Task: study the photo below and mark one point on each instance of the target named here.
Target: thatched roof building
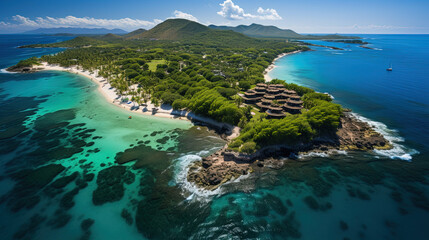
(263, 96)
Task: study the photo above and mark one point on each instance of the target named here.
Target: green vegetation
(202, 74)
(256, 30)
(202, 70)
(154, 63)
(273, 32)
(134, 33)
(28, 62)
(173, 29)
(322, 117)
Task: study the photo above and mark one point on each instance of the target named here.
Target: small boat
(389, 69)
(129, 117)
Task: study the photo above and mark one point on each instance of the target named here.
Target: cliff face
(225, 165)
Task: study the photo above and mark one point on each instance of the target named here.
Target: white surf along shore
(273, 65)
(111, 95)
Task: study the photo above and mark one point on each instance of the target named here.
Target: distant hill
(109, 37)
(261, 31)
(173, 29)
(77, 31)
(256, 30)
(134, 33)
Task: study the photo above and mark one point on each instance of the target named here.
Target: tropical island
(218, 77)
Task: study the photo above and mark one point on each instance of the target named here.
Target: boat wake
(398, 151)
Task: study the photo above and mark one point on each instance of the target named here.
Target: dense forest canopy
(203, 74)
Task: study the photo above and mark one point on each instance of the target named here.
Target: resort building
(274, 99)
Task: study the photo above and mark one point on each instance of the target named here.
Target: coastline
(165, 111)
(273, 64)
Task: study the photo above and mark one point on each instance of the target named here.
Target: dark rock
(312, 202)
(125, 214)
(86, 224)
(66, 201)
(29, 183)
(60, 219)
(110, 183)
(88, 177)
(276, 204)
(63, 181)
(81, 183)
(343, 225)
(206, 163)
(163, 140)
(28, 229)
(291, 227)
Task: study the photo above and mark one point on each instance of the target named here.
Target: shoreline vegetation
(202, 75)
(226, 131)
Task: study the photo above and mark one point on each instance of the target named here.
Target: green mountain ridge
(273, 32)
(134, 33)
(172, 29)
(257, 30)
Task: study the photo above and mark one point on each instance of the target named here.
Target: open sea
(60, 139)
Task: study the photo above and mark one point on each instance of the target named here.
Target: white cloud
(232, 11)
(268, 14)
(71, 21)
(180, 14)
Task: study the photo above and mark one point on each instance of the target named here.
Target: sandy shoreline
(273, 65)
(166, 111)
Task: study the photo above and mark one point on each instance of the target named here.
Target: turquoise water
(50, 118)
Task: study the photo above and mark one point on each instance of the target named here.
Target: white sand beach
(273, 65)
(114, 98)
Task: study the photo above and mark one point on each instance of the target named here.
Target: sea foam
(5, 71)
(190, 190)
(398, 151)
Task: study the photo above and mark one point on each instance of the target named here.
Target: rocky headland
(24, 69)
(225, 165)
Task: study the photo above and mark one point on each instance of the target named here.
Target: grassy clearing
(257, 115)
(152, 64)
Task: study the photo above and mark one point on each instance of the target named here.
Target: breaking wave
(5, 71)
(398, 151)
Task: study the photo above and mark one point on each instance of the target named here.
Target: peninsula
(219, 77)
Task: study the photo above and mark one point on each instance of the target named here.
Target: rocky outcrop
(217, 169)
(26, 69)
(357, 135)
(225, 165)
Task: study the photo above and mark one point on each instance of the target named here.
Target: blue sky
(303, 16)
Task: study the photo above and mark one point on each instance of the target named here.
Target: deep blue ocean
(59, 139)
(358, 79)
